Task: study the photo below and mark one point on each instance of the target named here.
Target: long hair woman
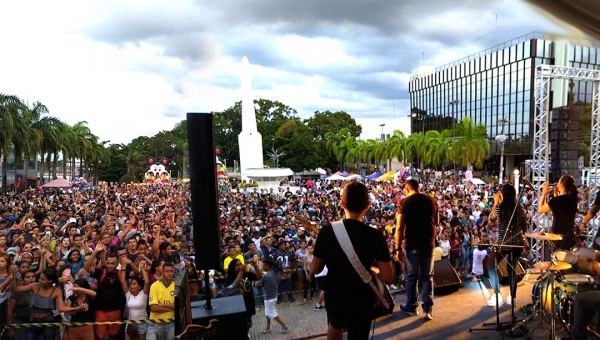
(510, 218)
(82, 296)
(45, 299)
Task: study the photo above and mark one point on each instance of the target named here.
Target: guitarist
(348, 299)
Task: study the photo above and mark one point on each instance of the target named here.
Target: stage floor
(453, 315)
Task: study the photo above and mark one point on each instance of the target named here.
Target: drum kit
(561, 279)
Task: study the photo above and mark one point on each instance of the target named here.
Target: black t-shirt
(343, 285)
(420, 214)
(247, 280)
(81, 316)
(597, 199)
(110, 294)
(564, 209)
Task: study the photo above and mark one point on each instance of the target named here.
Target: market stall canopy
(374, 175)
(388, 176)
(57, 183)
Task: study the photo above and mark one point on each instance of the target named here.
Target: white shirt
(137, 305)
(323, 272)
(478, 256)
(445, 245)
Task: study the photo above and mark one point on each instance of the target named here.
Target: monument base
(268, 178)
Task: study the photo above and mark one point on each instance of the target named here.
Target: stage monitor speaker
(203, 180)
(231, 313)
(445, 277)
(503, 270)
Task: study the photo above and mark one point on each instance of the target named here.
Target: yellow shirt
(228, 260)
(159, 293)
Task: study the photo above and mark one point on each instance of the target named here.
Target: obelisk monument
(250, 141)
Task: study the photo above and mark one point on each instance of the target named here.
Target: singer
(564, 207)
(510, 217)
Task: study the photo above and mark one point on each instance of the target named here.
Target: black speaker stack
(564, 136)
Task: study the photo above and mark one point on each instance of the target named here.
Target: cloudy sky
(132, 68)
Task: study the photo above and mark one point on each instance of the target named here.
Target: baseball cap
(12, 251)
(72, 220)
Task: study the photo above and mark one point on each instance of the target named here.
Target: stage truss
(541, 143)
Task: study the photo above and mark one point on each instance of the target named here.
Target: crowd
(110, 253)
(104, 254)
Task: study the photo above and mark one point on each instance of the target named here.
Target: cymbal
(544, 236)
(548, 265)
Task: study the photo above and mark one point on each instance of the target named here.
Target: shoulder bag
(384, 302)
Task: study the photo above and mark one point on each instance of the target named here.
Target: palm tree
(11, 129)
(98, 155)
(438, 148)
(395, 146)
(335, 144)
(50, 128)
(470, 144)
(415, 146)
(82, 145)
(29, 146)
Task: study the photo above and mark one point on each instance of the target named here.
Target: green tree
(470, 144)
(395, 146)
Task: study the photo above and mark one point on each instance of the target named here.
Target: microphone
(527, 182)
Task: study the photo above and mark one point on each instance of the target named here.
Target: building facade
(495, 87)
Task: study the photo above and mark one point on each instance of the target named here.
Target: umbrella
(57, 183)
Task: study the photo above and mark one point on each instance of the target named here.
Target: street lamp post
(382, 139)
(382, 135)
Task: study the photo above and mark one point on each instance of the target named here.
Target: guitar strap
(342, 236)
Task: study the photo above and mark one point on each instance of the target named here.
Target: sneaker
(266, 331)
(319, 307)
(292, 300)
(285, 329)
(510, 301)
(492, 300)
(408, 311)
(393, 287)
(427, 316)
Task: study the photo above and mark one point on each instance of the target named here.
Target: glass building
(495, 87)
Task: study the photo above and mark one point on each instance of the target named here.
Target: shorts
(112, 330)
(299, 271)
(357, 324)
(142, 328)
(271, 308)
(321, 282)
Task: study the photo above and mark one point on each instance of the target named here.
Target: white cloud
(134, 68)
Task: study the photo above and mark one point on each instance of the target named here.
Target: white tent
(477, 181)
(342, 178)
